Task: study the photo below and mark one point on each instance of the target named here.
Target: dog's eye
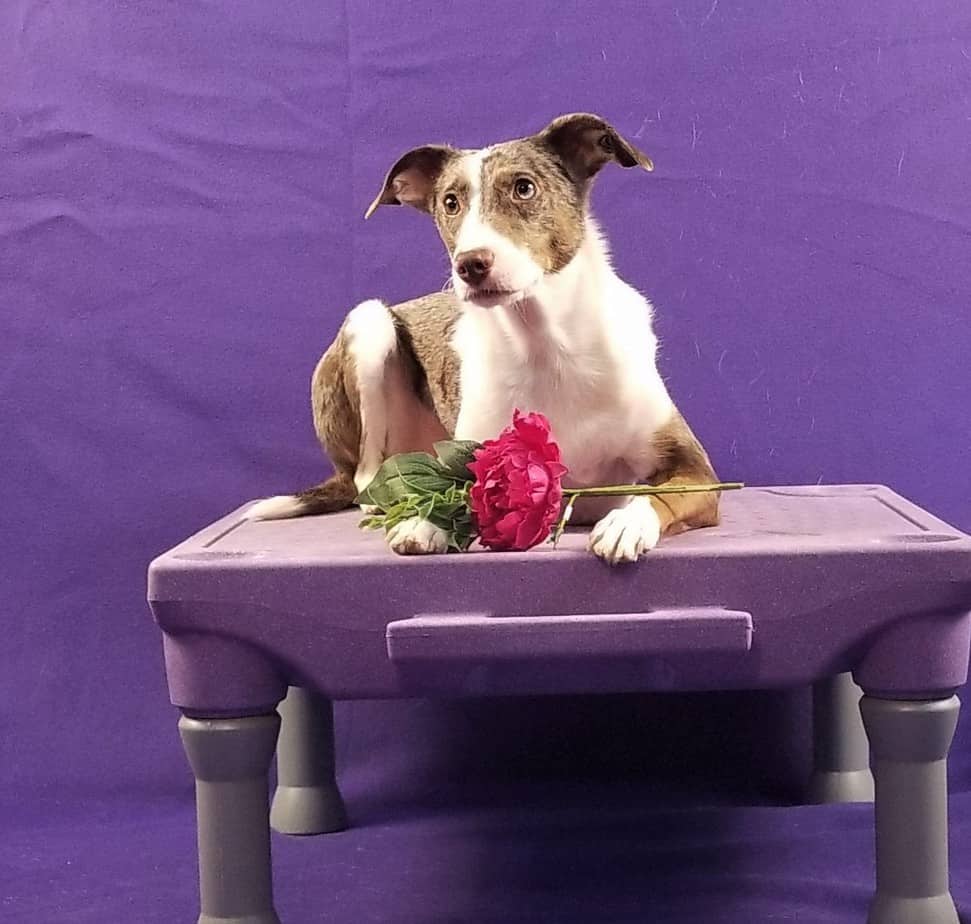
(451, 204)
(524, 188)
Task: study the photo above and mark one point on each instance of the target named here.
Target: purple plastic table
(797, 586)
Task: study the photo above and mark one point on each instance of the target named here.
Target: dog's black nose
(473, 266)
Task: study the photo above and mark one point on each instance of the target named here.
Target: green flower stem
(567, 513)
(634, 490)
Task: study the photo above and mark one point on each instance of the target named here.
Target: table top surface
(771, 521)
(795, 584)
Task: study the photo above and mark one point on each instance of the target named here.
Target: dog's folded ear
(585, 142)
(411, 180)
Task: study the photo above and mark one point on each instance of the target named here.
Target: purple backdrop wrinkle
(181, 197)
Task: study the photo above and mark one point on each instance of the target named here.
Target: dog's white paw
(626, 533)
(417, 537)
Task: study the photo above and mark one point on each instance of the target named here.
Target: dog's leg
(372, 344)
(628, 532)
(417, 537)
(347, 394)
(393, 417)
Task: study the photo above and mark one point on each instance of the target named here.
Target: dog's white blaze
(472, 168)
(514, 268)
(473, 231)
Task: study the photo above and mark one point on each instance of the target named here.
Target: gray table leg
(230, 759)
(307, 800)
(909, 743)
(841, 771)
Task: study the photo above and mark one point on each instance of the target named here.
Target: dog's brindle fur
(561, 162)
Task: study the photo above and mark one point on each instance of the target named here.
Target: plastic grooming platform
(802, 585)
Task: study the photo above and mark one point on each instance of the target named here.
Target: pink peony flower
(517, 492)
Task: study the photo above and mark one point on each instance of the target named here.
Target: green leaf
(455, 455)
(462, 535)
(403, 474)
(413, 488)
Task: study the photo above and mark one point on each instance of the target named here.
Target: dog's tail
(336, 493)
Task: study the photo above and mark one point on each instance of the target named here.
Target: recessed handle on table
(481, 637)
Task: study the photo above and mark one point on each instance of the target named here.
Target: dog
(536, 319)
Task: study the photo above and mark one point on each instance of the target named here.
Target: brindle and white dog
(537, 319)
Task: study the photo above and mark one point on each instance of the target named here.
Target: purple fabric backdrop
(181, 191)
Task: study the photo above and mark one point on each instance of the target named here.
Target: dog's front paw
(626, 533)
(417, 537)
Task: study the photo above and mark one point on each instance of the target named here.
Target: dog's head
(512, 213)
